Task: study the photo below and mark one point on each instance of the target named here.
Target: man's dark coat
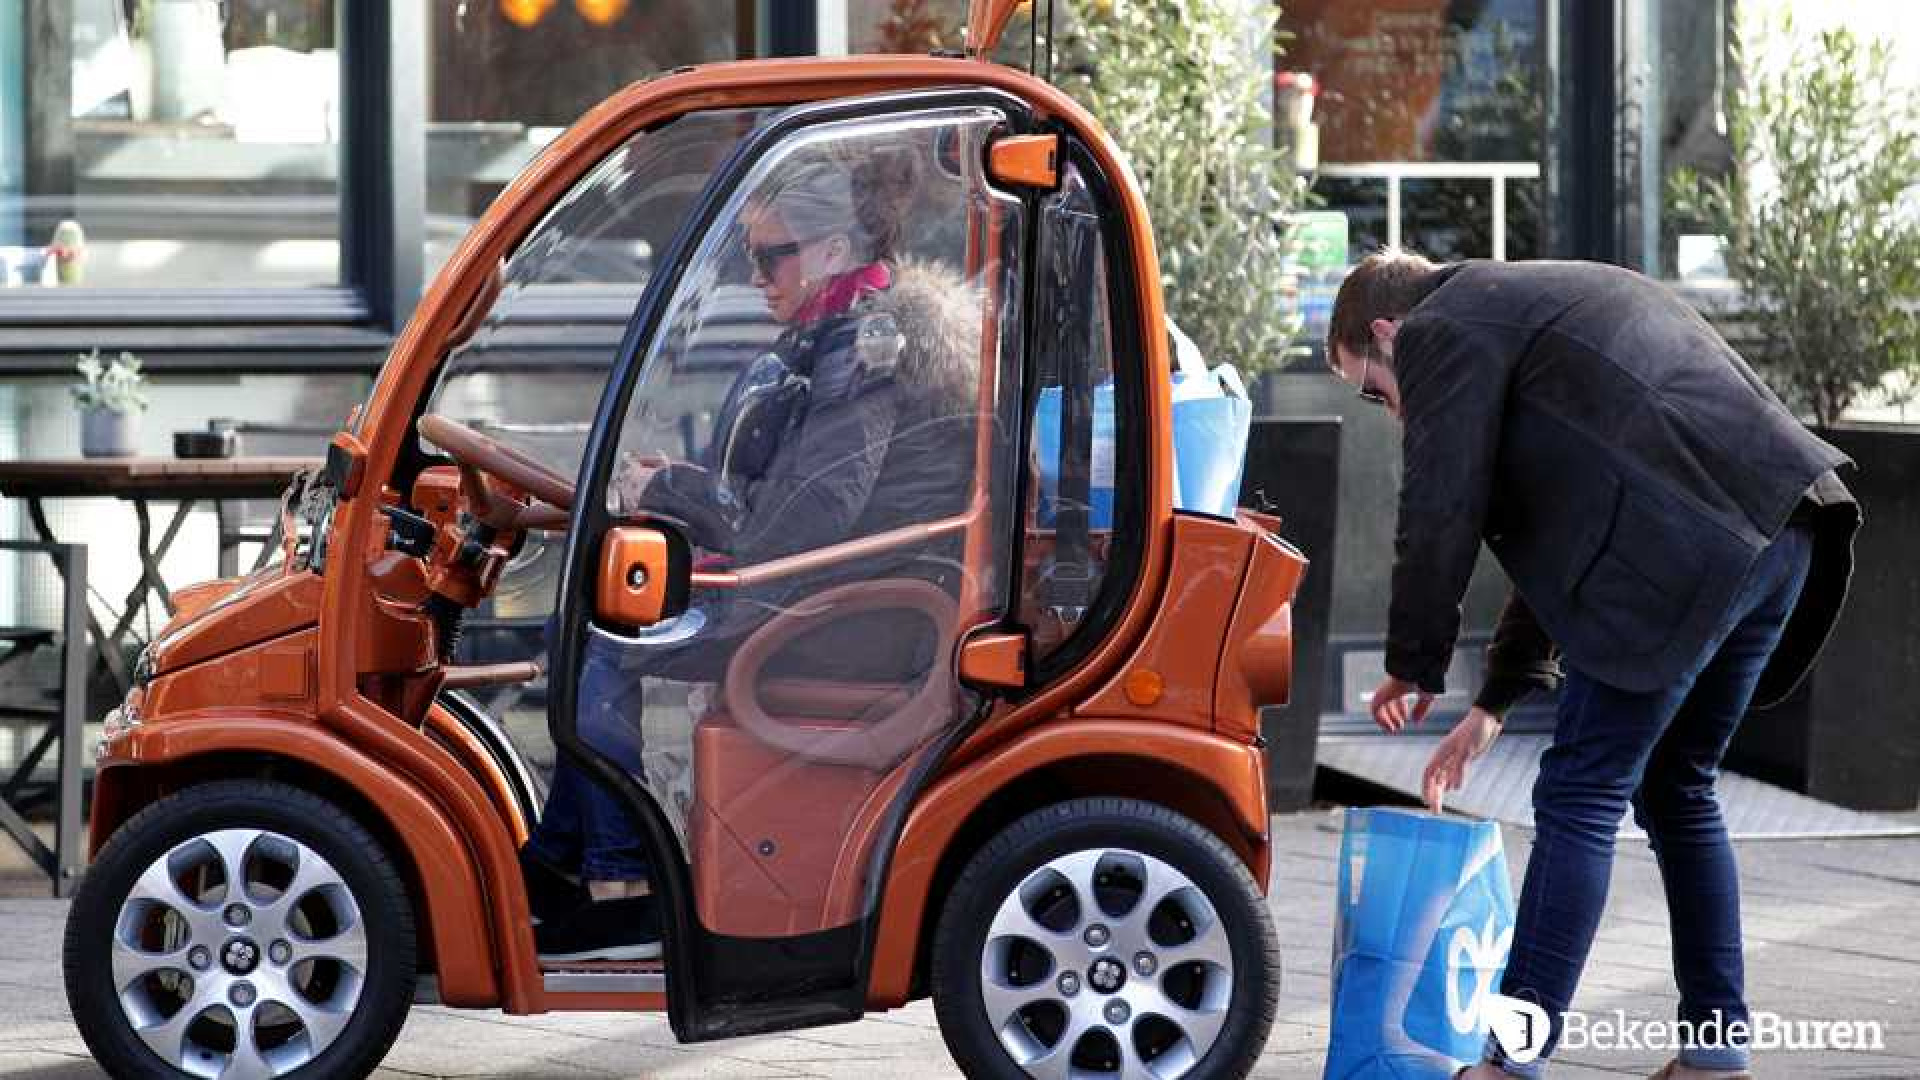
(1621, 460)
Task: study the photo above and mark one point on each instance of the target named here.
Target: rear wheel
(1106, 938)
(236, 930)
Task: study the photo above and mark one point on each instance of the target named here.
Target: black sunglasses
(766, 257)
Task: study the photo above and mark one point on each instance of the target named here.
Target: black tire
(386, 920)
(1106, 824)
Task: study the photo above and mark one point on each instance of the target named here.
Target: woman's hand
(631, 477)
(1447, 769)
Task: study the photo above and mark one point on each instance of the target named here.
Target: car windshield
(532, 372)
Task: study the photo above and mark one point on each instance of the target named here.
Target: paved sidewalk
(1831, 928)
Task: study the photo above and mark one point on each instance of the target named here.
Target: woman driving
(873, 354)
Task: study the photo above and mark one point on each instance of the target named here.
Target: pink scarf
(842, 291)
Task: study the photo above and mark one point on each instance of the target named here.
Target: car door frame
(820, 978)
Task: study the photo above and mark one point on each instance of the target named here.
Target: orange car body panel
(1256, 657)
(786, 853)
(466, 746)
(1182, 647)
(1227, 767)
(265, 608)
(453, 897)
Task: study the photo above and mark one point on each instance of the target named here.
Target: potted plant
(1822, 235)
(111, 395)
(1184, 88)
(1184, 85)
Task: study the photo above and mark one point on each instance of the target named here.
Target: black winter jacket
(1624, 464)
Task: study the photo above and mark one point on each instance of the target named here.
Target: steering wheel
(478, 454)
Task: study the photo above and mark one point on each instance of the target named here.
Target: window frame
(346, 327)
(342, 327)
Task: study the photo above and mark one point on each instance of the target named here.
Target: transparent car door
(536, 359)
(828, 412)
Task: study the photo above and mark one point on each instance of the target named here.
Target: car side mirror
(646, 573)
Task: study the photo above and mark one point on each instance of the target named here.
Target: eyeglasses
(1368, 392)
(766, 257)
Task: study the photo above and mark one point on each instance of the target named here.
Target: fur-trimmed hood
(937, 316)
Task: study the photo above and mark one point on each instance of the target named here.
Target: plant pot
(105, 433)
(1846, 736)
(1293, 470)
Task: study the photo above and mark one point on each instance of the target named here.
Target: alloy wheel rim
(1106, 963)
(239, 954)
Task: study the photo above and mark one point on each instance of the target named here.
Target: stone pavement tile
(1305, 1065)
(442, 1043)
(928, 1066)
(56, 1034)
(797, 1048)
(875, 1034)
(613, 1057)
(40, 1065)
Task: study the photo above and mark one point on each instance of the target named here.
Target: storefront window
(168, 144)
(1427, 115)
(507, 76)
(1688, 91)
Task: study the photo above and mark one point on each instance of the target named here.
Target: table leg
(109, 657)
(150, 556)
(229, 539)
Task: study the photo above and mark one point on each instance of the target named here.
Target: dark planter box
(1293, 471)
(1848, 734)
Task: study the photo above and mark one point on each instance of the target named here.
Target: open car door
(798, 497)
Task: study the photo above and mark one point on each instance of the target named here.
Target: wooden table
(142, 481)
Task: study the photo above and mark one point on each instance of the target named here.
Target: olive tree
(1821, 212)
(1183, 86)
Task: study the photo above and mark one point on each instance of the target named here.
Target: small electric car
(906, 672)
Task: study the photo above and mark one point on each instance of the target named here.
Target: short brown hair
(1384, 285)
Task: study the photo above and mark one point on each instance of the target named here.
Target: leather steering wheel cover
(878, 746)
(497, 459)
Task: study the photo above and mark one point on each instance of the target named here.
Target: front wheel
(236, 930)
(1106, 937)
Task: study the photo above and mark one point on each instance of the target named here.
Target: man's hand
(1389, 704)
(1447, 769)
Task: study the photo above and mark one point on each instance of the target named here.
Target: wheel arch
(1217, 782)
(443, 885)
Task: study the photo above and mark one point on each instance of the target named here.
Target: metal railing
(1394, 173)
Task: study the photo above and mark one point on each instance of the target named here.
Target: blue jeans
(584, 825)
(1659, 752)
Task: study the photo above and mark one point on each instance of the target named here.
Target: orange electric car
(795, 435)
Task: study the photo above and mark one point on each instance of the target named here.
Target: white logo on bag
(1481, 954)
(1520, 1026)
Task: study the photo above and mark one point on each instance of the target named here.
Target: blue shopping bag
(1209, 450)
(1423, 922)
(1046, 439)
(1212, 417)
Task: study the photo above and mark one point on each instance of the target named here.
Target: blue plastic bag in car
(1423, 922)
(1212, 417)
(1046, 439)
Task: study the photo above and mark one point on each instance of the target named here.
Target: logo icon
(1480, 957)
(1521, 1026)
